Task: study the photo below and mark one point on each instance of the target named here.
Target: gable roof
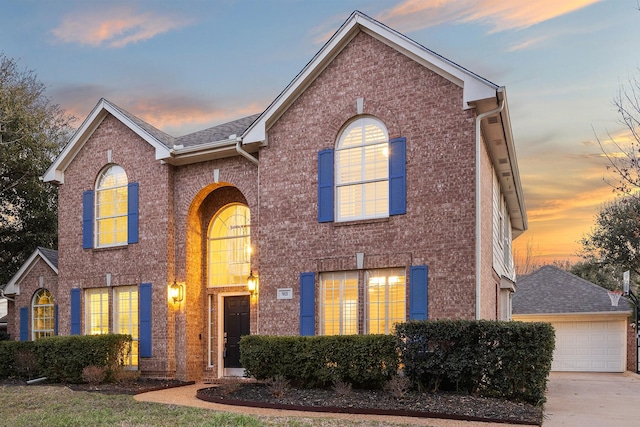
(206, 144)
(474, 87)
(49, 256)
(551, 290)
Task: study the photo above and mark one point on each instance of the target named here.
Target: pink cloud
(115, 27)
(501, 15)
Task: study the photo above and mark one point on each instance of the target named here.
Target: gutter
(2, 295)
(244, 153)
(500, 97)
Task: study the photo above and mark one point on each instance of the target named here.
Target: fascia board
(12, 287)
(55, 173)
(474, 87)
(572, 317)
(258, 130)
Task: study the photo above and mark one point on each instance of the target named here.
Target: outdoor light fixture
(176, 292)
(252, 282)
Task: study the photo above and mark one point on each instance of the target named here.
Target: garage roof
(551, 290)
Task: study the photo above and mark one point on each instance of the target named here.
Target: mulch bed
(414, 404)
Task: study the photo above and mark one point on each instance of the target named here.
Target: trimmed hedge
(364, 361)
(62, 358)
(511, 360)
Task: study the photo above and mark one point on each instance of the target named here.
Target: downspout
(2, 295)
(257, 163)
(244, 153)
(478, 199)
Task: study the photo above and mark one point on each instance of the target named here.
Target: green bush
(503, 359)
(16, 358)
(365, 361)
(62, 358)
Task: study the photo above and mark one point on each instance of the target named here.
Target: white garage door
(590, 346)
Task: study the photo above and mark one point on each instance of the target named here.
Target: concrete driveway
(592, 399)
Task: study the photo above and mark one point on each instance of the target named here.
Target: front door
(236, 324)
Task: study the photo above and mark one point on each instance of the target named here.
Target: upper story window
(229, 246)
(362, 171)
(110, 212)
(43, 315)
(365, 176)
(111, 207)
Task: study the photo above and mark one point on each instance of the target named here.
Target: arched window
(362, 171)
(111, 207)
(229, 246)
(43, 315)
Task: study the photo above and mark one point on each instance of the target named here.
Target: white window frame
(238, 245)
(345, 308)
(389, 322)
(103, 313)
(133, 326)
(37, 333)
(365, 166)
(101, 189)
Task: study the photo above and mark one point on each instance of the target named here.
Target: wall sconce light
(176, 292)
(252, 283)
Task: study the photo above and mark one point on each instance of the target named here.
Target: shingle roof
(161, 136)
(551, 290)
(4, 318)
(50, 254)
(217, 133)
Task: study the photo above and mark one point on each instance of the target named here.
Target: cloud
(412, 15)
(174, 113)
(114, 28)
(527, 44)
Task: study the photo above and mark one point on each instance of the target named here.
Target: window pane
(386, 302)
(96, 311)
(362, 171)
(42, 315)
(229, 247)
(339, 303)
(126, 318)
(111, 207)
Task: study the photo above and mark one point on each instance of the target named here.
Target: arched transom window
(111, 207)
(362, 171)
(229, 246)
(43, 315)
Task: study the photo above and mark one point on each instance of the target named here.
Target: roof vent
(492, 120)
(503, 161)
(506, 174)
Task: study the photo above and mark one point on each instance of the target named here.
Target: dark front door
(236, 324)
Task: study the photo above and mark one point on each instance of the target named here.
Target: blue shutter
(145, 320)
(132, 223)
(55, 319)
(75, 311)
(87, 219)
(325, 186)
(418, 296)
(307, 304)
(397, 176)
(24, 323)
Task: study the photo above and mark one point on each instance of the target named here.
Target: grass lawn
(60, 406)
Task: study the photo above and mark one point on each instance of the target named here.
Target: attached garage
(591, 334)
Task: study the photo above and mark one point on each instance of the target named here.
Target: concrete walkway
(599, 399)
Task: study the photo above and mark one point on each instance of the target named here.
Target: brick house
(381, 185)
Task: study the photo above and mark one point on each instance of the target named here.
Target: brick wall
(439, 227)
(143, 262)
(29, 284)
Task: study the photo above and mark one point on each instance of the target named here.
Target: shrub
(398, 386)
(9, 365)
(365, 361)
(124, 376)
(342, 388)
(94, 375)
(502, 359)
(278, 386)
(4, 336)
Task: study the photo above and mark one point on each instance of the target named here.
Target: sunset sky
(187, 65)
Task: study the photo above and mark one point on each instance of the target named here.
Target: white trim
(220, 320)
(13, 286)
(55, 173)
(474, 86)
